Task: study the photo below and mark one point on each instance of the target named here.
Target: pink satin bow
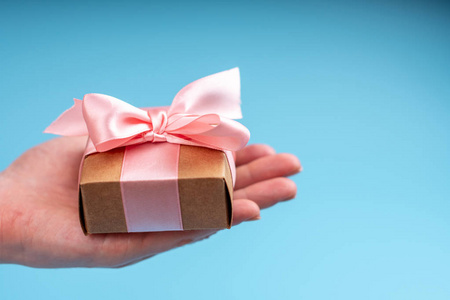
(200, 115)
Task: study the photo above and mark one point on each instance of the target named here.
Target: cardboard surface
(100, 193)
(204, 186)
(204, 198)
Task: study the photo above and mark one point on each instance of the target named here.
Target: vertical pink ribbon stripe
(149, 184)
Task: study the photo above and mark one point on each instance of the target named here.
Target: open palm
(39, 223)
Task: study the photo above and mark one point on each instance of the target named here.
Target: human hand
(39, 223)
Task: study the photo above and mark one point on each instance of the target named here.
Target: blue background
(359, 91)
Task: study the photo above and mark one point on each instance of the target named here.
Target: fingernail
(255, 218)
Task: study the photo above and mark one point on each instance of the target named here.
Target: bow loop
(200, 115)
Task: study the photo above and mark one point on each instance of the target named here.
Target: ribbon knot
(200, 115)
(158, 120)
(152, 137)
(158, 123)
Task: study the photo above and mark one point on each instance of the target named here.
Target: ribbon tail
(228, 135)
(70, 122)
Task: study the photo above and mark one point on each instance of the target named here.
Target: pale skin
(39, 224)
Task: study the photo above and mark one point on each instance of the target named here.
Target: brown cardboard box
(204, 188)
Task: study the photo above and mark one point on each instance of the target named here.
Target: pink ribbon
(200, 115)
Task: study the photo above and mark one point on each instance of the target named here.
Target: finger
(244, 210)
(253, 152)
(162, 241)
(129, 263)
(118, 249)
(267, 167)
(199, 236)
(269, 192)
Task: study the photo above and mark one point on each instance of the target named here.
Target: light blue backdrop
(360, 92)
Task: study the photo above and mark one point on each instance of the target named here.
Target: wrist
(9, 250)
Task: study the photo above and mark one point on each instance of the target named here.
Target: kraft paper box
(200, 189)
(159, 168)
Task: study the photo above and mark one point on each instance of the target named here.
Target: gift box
(156, 187)
(159, 168)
